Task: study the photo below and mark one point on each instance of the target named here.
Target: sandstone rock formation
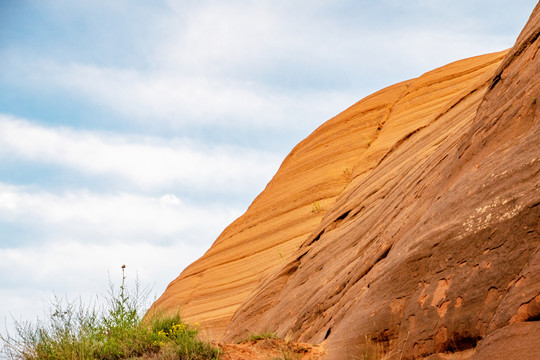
(409, 222)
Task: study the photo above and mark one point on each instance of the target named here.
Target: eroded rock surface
(410, 221)
(269, 349)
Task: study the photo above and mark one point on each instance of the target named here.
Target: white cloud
(143, 161)
(83, 267)
(182, 98)
(161, 96)
(100, 218)
(252, 65)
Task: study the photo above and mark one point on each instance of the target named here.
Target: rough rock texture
(426, 241)
(269, 349)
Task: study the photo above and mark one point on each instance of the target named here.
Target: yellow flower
(177, 328)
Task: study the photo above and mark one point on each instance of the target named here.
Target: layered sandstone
(317, 170)
(411, 221)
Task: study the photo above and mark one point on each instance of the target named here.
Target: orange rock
(269, 349)
(422, 195)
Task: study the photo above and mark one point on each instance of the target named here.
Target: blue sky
(133, 132)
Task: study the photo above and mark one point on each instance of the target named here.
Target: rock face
(409, 224)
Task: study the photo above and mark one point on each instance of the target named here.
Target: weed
(316, 207)
(86, 332)
(261, 336)
(534, 100)
(347, 174)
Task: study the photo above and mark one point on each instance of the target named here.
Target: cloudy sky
(132, 132)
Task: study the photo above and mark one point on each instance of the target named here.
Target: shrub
(76, 331)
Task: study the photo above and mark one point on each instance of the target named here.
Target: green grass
(316, 207)
(74, 331)
(261, 336)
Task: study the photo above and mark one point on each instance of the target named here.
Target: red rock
(426, 242)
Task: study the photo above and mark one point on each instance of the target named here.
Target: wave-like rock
(409, 223)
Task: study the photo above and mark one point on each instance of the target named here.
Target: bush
(78, 332)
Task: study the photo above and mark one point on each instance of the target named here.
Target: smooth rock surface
(411, 221)
(317, 171)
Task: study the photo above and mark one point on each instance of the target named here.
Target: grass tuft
(261, 336)
(316, 207)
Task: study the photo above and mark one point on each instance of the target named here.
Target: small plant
(534, 100)
(261, 336)
(347, 174)
(174, 336)
(316, 207)
(81, 332)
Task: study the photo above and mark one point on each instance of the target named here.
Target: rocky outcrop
(408, 223)
(265, 349)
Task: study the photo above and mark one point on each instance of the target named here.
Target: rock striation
(408, 224)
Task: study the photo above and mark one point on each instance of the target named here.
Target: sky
(133, 132)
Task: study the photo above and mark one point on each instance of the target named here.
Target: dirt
(270, 349)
